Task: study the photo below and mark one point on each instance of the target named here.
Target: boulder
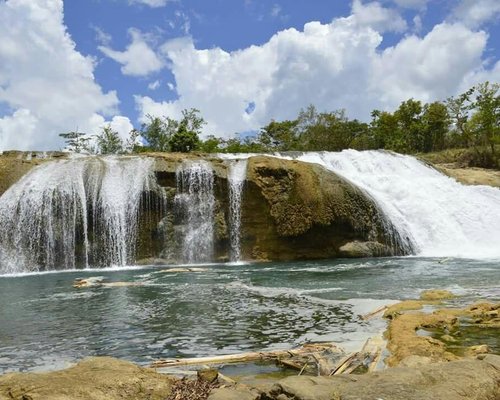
(296, 210)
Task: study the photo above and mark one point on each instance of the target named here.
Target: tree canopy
(469, 120)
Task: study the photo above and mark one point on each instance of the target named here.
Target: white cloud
(122, 125)
(138, 59)
(414, 4)
(154, 85)
(377, 17)
(151, 3)
(475, 13)
(431, 67)
(102, 37)
(48, 84)
(336, 65)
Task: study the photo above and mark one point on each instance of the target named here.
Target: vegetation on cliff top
(468, 121)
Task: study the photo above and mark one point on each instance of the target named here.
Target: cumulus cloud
(377, 17)
(414, 4)
(47, 84)
(335, 65)
(138, 59)
(475, 13)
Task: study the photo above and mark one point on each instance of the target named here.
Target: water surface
(45, 323)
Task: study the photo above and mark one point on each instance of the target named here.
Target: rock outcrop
(96, 378)
(471, 175)
(290, 210)
(296, 210)
(109, 379)
(459, 380)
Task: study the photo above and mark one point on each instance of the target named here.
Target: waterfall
(236, 179)
(196, 202)
(77, 212)
(437, 215)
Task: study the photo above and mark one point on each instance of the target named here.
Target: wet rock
(436, 294)
(404, 340)
(296, 210)
(358, 249)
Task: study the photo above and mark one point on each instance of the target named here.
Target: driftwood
(373, 351)
(320, 358)
(374, 313)
(276, 355)
(344, 363)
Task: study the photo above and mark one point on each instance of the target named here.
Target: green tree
(409, 120)
(109, 142)
(186, 137)
(210, 145)
(183, 140)
(384, 131)
(76, 142)
(329, 131)
(279, 136)
(459, 109)
(132, 144)
(436, 123)
(157, 132)
(485, 123)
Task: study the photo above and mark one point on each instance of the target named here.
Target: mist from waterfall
(76, 212)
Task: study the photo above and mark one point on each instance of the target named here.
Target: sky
(83, 64)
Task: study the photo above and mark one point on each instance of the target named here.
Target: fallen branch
(374, 313)
(344, 363)
(276, 355)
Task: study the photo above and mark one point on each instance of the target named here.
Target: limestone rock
(297, 210)
(458, 380)
(359, 249)
(208, 375)
(97, 378)
(436, 294)
(239, 392)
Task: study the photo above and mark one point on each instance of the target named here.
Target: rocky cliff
(290, 210)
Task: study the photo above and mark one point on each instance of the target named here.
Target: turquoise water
(45, 323)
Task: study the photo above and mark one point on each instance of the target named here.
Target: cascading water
(77, 212)
(438, 215)
(195, 200)
(236, 178)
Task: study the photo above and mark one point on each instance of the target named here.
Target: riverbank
(422, 367)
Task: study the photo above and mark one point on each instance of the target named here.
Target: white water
(73, 212)
(236, 179)
(441, 217)
(195, 197)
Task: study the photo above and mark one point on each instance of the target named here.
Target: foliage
(157, 132)
(470, 120)
(109, 142)
(76, 142)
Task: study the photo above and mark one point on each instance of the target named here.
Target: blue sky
(81, 64)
